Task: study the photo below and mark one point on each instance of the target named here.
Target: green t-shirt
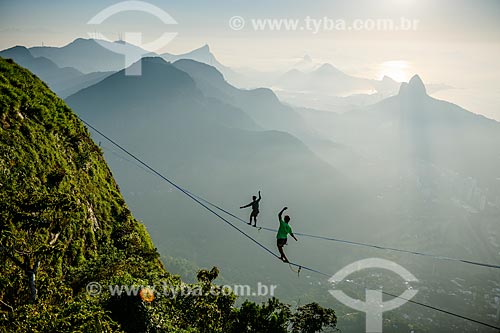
(284, 230)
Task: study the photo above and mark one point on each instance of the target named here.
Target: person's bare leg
(250, 222)
(255, 221)
(280, 249)
(285, 259)
(282, 253)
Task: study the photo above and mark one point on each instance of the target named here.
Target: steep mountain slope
(261, 104)
(63, 218)
(69, 87)
(69, 243)
(266, 109)
(160, 87)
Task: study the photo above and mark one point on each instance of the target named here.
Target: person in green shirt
(283, 231)
(255, 209)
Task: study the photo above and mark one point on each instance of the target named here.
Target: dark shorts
(254, 213)
(281, 241)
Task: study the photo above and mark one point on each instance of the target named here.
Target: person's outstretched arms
(291, 234)
(281, 213)
(246, 206)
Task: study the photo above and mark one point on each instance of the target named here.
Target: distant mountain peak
(403, 88)
(414, 87)
(148, 64)
(19, 48)
(81, 40)
(16, 51)
(416, 84)
(388, 79)
(327, 68)
(154, 60)
(205, 49)
(86, 42)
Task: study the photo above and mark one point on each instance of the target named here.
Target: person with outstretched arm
(255, 209)
(283, 231)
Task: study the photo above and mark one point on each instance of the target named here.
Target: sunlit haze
(342, 155)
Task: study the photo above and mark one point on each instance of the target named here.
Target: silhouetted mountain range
(90, 55)
(64, 81)
(326, 78)
(412, 125)
(41, 66)
(261, 104)
(203, 55)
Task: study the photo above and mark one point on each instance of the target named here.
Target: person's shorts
(281, 241)
(254, 213)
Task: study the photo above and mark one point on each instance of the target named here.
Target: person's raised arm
(259, 197)
(281, 213)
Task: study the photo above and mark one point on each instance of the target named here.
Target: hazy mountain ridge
(266, 109)
(261, 103)
(204, 55)
(325, 78)
(402, 132)
(64, 81)
(41, 66)
(90, 55)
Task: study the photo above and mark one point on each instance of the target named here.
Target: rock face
(414, 88)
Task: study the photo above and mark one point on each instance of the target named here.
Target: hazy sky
(456, 42)
(57, 22)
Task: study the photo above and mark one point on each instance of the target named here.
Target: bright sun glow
(398, 70)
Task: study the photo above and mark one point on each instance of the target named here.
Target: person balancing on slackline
(255, 209)
(283, 231)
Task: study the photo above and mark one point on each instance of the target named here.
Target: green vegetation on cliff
(64, 224)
